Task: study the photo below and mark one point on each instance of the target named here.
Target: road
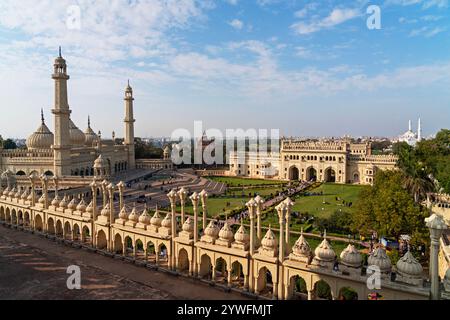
(33, 267)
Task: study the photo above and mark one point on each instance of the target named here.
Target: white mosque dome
(269, 242)
(167, 222)
(241, 236)
(351, 257)
(156, 219)
(123, 213)
(226, 233)
(212, 230)
(380, 258)
(42, 138)
(324, 252)
(77, 137)
(408, 265)
(301, 247)
(188, 225)
(90, 136)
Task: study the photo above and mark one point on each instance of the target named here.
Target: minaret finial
(60, 55)
(42, 115)
(89, 121)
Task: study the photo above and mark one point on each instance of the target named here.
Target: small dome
(106, 210)
(72, 204)
(241, 236)
(77, 137)
(42, 138)
(188, 225)
(324, 252)
(167, 222)
(6, 191)
(301, 247)
(380, 258)
(12, 192)
(351, 257)
(212, 230)
(145, 217)
(30, 196)
(99, 163)
(56, 201)
(269, 242)
(81, 206)
(63, 203)
(42, 199)
(18, 193)
(134, 217)
(90, 207)
(408, 265)
(226, 233)
(156, 219)
(25, 195)
(123, 213)
(90, 136)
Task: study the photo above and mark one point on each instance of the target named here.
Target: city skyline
(305, 68)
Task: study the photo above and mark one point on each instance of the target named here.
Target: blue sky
(309, 68)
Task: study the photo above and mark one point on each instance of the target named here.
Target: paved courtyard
(32, 267)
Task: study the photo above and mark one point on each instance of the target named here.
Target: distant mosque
(410, 137)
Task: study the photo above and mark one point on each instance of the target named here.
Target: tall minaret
(129, 126)
(410, 126)
(419, 130)
(62, 112)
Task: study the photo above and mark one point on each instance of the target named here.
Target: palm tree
(418, 182)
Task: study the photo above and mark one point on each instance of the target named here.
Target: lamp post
(183, 195)
(436, 225)
(195, 199)
(204, 196)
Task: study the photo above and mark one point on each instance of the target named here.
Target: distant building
(411, 137)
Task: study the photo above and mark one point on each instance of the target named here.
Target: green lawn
(315, 205)
(237, 182)
(216, 206)
(263, 192)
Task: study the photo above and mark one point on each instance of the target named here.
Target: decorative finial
(128, 82)
(325, 234)
(301, 231)
(89, 121)
(60, 55)
(42, 115)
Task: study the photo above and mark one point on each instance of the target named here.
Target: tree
(9, 144)
(390, 210)
(144, 150)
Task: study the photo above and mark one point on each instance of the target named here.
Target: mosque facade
(69, 151)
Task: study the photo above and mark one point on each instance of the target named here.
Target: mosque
(411, 137)
(69, 151)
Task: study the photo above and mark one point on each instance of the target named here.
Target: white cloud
(236, 24)
(336, 17)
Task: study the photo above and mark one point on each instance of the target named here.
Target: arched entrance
(59, 229)
(67, 231)
(118, 245)
(129, 248)
(8, 216)
(297, 289)
(51, 226)
(101, 240)
(237, 275)
(294, 173)
(221, 272)
(13, 217)
(183, 261)
(27, 220)
(356, 178)
(264, 284)
(163, 259)
(205, 267)
(2, 214)
(38, 223)
(347, 293)
(86, 235)
(76, 233)
(322, 290)
(151, 252)
(140, 253)
(311, 174)
(330, 175)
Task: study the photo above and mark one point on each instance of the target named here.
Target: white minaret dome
(106, 210)
(324, 252)
(81, 205)
(90, 136)
(77, 137)
(145, 217)
(301, 247)
(409, 266)
(351, 257)
(42, 138)
(156, 219)
(167, 222)
(380, 258)
(188, 225)
(269, 242)
(212, 230)
(123, 213)
(134, 217)
(226, 233)
(241, 236)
